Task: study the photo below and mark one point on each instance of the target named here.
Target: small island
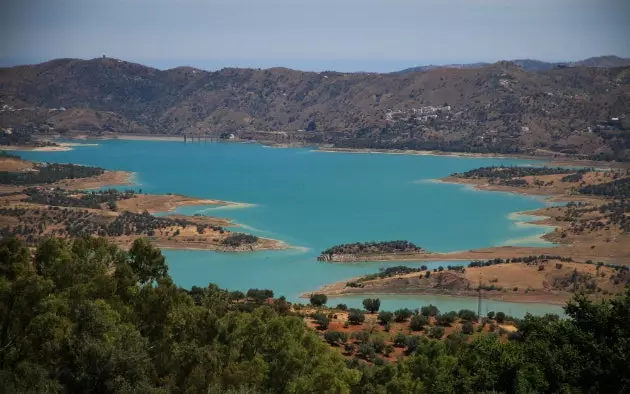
(370, 251)
(39, 200)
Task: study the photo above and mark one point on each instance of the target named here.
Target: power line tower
(479, 301)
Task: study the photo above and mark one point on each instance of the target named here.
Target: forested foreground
(84, 316)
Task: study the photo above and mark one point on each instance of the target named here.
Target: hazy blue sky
(345, 35)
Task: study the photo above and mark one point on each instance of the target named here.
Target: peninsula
(540, 279)
(43, 200)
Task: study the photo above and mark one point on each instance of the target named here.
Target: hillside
(496, 108)
(535, 65)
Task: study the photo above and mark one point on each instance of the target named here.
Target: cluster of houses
(422, 114)
(8, 108)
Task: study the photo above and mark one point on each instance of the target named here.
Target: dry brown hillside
(497, 108)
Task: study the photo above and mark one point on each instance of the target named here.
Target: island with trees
(69, 304)
(368, 251)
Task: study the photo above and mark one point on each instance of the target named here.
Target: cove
(313, 200)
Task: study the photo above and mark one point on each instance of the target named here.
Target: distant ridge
(534, 65)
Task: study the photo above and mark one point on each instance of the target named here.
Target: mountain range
(501, 107)
(535, 65)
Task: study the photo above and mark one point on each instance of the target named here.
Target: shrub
(385, 317)
(367, 351)
(436, 332)
(342, 307)
(430, 310)
(361, 336)
(388, 349)
(355, 316)
(515, 336)
(467, 314)
(491, 315)
(321, 320)
(446, 319)
(418, 322)
(400, 340)
(379, 361)
(402, 315)
(500, 317)
(236, 295)
(413, 342)
(336, 337)
(318, 299)
(378, 343)
(259, 295)
(467, 328)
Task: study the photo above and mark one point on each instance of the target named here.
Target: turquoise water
(313, 200)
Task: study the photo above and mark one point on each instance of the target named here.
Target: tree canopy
(85, 316)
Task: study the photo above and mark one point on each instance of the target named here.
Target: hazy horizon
(346, 36)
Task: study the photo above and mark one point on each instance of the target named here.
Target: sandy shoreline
(132, 137)
(107, 179)
(60, 147)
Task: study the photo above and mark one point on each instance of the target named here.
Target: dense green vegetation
(84, 316)
(619, 188)
(48, 173)
(22, 138)
(508, 172)
(79, 222)
(239, 239)
(64, 198)
(362, 248)
(87, 317)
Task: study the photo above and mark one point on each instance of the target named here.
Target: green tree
(418, 322)
(318, 299)
(500, 317)
(430, 310)
(385, 317)
(355, 316)
(336, 338)
(372, 305)
(147, 262)
(446, 319)
(436, 332)
(402, 315)
(321, 320)
(467, 314)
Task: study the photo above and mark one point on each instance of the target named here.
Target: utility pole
(479, 300)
